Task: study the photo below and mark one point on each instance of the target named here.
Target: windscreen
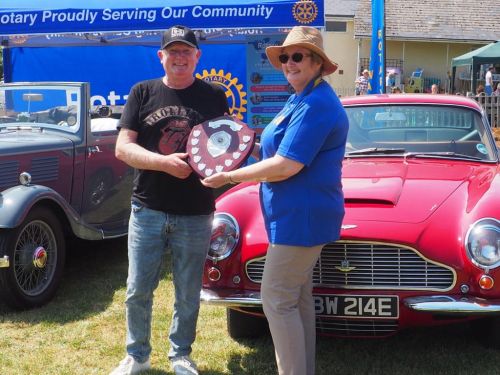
(44, 106)
(399, 129)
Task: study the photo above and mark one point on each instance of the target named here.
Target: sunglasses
(296, 57)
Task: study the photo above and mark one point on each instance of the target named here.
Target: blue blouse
(306, 209)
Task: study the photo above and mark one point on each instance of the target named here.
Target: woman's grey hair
(317, 59)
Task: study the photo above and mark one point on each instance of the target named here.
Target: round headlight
(483, 243)
(225, 235)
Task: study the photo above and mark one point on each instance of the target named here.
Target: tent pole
(453, 73)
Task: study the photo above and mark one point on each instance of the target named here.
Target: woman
(480, 91)
(497, 91)
(301, 193)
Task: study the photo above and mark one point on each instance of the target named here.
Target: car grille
(351, 265)
(45, 169)
(356, 327)
(9, 173)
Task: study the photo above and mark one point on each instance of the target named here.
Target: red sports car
(420, 241)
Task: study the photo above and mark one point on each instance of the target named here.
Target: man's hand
(176, 165)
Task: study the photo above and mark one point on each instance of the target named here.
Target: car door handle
(93, 150)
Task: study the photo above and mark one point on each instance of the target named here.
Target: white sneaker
(129, 366)
(184, 365)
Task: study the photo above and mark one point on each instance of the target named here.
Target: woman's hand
(216, 180)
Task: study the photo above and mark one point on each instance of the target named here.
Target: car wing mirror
(103, 111)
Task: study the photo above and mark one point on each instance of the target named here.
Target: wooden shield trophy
(219, 145)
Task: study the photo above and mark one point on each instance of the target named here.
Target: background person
(170, 206)
(362, 83)
(497, 91)
(434, 89)
(302, 151)
(390, 81)
(488, 81)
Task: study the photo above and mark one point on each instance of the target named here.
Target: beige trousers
(286, 293)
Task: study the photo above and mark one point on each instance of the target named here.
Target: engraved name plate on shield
(219, 145)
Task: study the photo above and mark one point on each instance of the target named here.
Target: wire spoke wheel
(35, 257)
(37, 251)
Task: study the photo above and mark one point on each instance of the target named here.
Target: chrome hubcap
(39, 257)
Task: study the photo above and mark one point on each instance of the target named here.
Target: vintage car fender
(16, 202)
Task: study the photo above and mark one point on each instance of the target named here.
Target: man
(170, 207)
(488, 81)
(362, 83)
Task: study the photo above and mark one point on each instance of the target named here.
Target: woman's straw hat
(303, 36)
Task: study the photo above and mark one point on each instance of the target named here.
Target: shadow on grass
(450, 349)
(259, 362)
(444, 350)
(94, 271)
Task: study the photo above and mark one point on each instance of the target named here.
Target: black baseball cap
(181, 34)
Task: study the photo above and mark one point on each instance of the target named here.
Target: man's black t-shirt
(163, 118)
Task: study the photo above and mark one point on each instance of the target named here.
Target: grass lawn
(82, 332)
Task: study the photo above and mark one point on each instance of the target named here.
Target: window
(336, 26)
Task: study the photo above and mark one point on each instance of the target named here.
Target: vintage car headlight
(483, 243)
(225, 235)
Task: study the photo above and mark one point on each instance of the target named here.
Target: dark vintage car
(420, 241)
(59, 179)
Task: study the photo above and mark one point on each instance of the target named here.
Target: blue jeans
(151, 233)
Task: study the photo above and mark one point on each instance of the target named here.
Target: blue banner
(376, 84)
(24, 17)
(110, 82)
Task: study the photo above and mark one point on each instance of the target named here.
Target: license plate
(356, 306)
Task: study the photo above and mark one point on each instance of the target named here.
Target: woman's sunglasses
(296, 57)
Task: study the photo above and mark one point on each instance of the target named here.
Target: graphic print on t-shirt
(175, 132)
(174, 124)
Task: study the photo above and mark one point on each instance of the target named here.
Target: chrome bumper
(453, 305)
(4, 262)
(446, 305)
(230, 298)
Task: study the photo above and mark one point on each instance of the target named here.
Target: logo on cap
(177, 32)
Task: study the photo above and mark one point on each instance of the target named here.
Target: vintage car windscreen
(443, 131)
(43, 106)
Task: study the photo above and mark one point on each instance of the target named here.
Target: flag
(376, 84)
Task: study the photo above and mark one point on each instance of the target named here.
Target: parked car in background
(58, 178)
(420, 241)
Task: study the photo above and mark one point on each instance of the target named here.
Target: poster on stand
(268, 89)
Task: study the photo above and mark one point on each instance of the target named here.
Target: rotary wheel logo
(234, 91)
(18, 39)
(305, 11)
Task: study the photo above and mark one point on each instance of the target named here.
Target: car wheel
(36, 250)
(242, 325)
